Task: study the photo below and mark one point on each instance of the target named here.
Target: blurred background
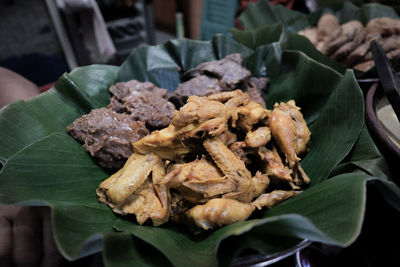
(41, 39)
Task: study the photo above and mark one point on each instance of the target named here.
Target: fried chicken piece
(272, 199)
(198, 109)
(311, 33)
(328, 30)
(218, 212)
(228, 70)
(289, 130)
(292, 135)
(231, 99)
(249, 115)
(119, 186)
(238, 148)
(259, 137)
(132, 191)
(232, 167)
(228, 137)
(274, 167)
(222, 211)
(145, 204)
(198, 181)
(260, 183)
(166, 143)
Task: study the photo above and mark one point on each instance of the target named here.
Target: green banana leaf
(261, 18)
(43, 165)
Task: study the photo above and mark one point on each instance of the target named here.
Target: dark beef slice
(201, 85)
(108, 135)
(122, 90)
(256, 88)
(155, 111)
(228, 70)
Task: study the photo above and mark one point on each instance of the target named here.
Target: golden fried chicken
(258, 138)
(218, 212)
(289, 130)
(131, 191)
(249, 115)
(273, 165)
(145, 204)
(222, 211)
(272, 199)
(165, 143)
(198, 181)
(232, 167)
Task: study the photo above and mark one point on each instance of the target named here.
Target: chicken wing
(232, 167)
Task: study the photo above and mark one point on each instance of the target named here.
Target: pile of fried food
(349, 43)
(221, 157)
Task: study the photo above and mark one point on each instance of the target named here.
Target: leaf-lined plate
(41, 162)
(261, 19)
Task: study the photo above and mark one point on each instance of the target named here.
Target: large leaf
(43, 163)
(259, 16)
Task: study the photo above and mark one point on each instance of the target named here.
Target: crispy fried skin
(131, 191)
(232, 167)
(258, 138)
(222, 211)
(198, 181)
(218, 212)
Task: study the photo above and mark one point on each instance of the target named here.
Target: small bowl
(388, 148)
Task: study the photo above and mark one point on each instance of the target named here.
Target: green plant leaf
(43, 163)
(261, 36)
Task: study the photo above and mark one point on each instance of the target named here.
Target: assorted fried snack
(213, 164)
(349, 43)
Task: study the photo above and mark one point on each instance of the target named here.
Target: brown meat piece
(256, 89)
(228, 70)
(125, 89)
(108, 135)
(144, 101)
(201, 85)
(155, 111)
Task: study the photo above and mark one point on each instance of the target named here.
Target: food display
(222, 156)
(349, 43)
